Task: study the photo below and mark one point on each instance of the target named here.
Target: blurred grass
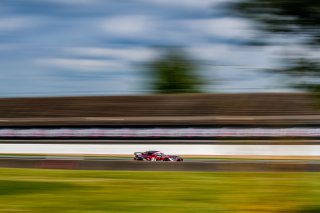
(65, 191)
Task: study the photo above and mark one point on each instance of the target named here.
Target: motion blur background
(231, 85)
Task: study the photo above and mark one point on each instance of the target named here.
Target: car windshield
(151, 152)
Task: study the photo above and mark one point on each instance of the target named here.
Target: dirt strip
(219, 166)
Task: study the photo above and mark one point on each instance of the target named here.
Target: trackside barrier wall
(160, 132)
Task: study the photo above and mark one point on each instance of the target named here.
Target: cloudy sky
(97, 47)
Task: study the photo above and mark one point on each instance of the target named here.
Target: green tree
(174, 72)
(290, 23)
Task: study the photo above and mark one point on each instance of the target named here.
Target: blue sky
(96, 47)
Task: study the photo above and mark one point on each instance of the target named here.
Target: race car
(155, 156)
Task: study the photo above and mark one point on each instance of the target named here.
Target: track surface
(211, 165)
(190, 147)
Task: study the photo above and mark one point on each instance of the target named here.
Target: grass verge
(64, 191)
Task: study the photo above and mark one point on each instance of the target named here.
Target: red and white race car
(155, 156)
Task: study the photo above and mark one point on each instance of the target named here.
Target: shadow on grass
(310, 209)
(8, 187)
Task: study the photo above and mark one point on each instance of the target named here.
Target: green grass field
(63, 191)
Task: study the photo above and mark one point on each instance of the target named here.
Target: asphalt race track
(212, 165)
(74, 154)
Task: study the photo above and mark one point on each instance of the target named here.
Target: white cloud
(9, 47)
(127, 54)
(17, 23)
(296, 50)
(237, 81)
(127, 26)
(70, 2)
(232, 55)
(82, 64)
(185, 3)
(220, 27)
